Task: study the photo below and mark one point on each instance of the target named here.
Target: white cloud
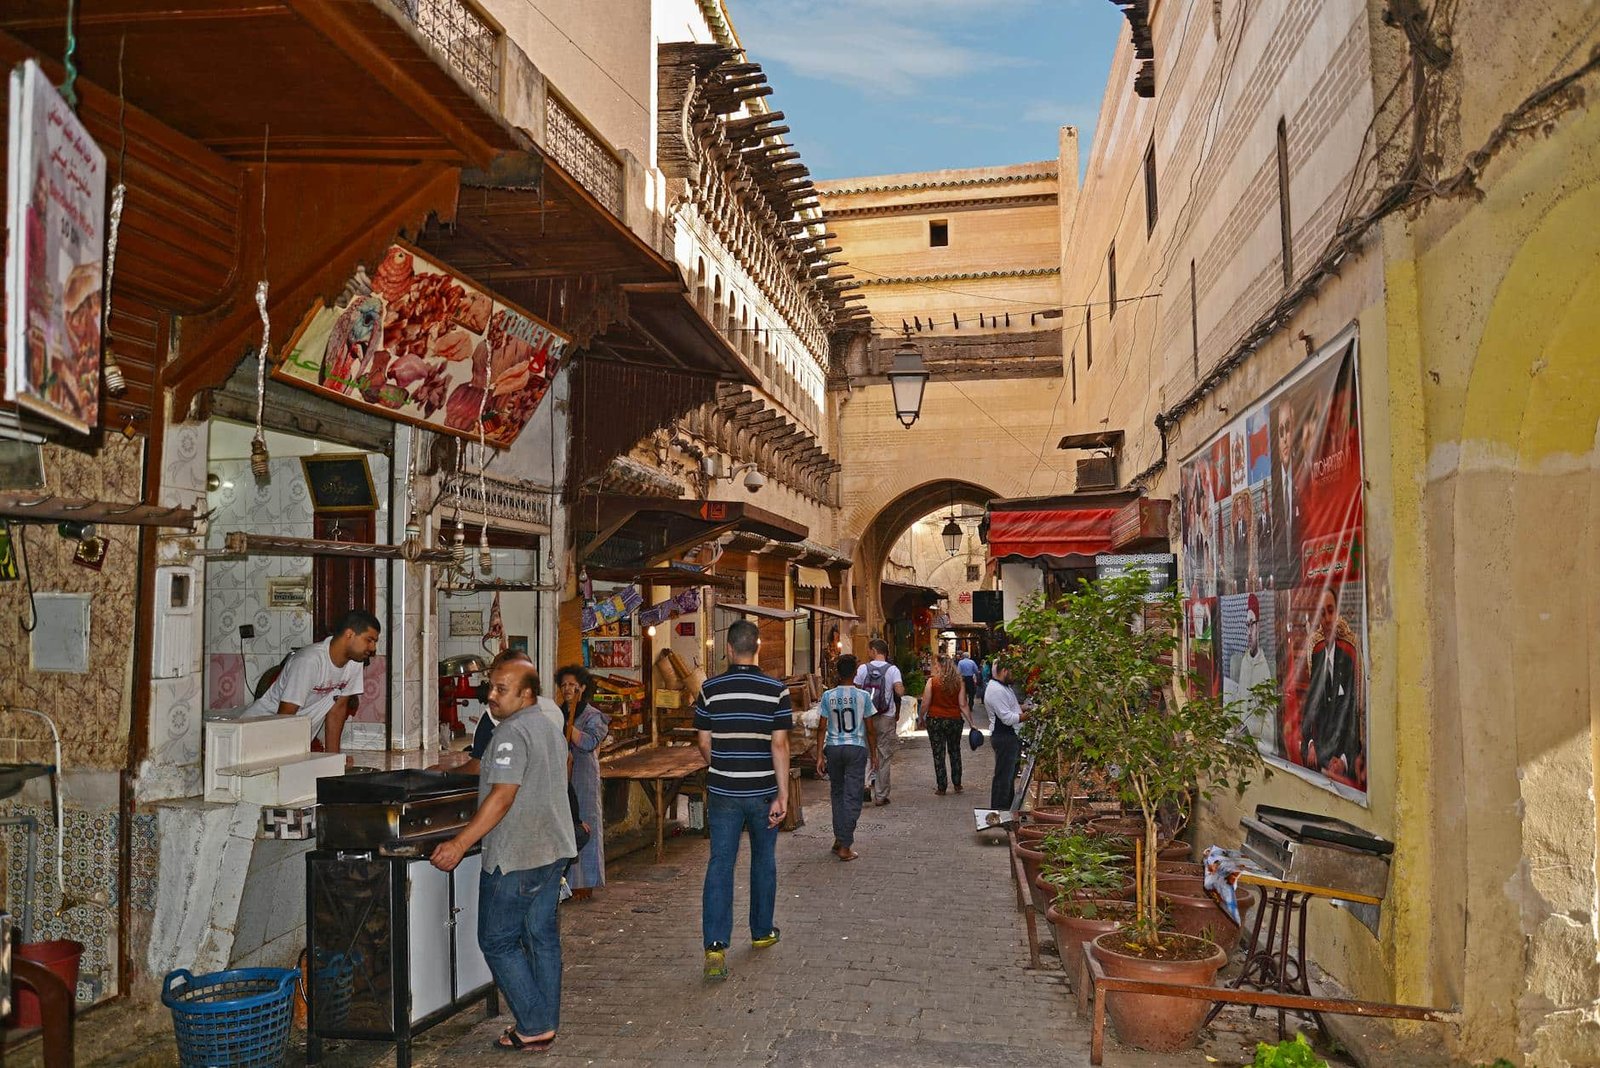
(894, 47)
(1061, 113)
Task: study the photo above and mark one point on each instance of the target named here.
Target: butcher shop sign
(416, 343)
(55, 255)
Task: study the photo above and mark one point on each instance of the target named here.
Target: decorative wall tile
(89, 866)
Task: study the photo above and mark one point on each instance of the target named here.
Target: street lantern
(908, 378)
(951, 536)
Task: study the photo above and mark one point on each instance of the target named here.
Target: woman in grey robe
(587, 728)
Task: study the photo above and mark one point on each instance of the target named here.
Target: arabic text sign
(55, 255)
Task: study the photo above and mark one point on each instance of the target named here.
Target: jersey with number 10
(846, 709)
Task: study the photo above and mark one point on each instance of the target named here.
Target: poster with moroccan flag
(1272, 514)
(416, 343)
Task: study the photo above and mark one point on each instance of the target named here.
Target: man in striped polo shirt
(742, 719)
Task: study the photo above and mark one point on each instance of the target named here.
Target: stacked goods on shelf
(622, 699)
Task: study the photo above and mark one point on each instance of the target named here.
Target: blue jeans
(521, 941)
(728, 818)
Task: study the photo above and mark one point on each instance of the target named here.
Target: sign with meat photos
(1273, 579)
(414, 342)
(55, 255)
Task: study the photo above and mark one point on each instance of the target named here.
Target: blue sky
(885, 86)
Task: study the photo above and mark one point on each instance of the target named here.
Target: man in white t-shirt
(322, 680)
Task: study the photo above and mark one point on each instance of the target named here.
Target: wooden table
(663, 767)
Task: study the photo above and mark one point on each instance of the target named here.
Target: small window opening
(1151, 207)
(938, 233)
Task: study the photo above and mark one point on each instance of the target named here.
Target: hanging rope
(260, 460)
(69, 87)
(116, 382)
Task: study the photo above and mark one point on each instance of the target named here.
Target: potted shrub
(1089, 886)
(1110, 651)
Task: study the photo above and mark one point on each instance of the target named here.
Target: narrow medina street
(434, 432)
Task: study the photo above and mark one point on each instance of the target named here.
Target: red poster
(1272, 512)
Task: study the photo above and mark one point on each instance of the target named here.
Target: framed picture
(415, 342)
(466, 623)
(8, 555)
(610, 652)
(340, 482)
(517, 642)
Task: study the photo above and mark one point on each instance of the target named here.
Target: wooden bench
(1103, 983)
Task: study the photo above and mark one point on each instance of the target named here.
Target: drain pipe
(30, 870)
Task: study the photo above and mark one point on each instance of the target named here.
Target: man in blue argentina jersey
(742, 718)
(846, 742)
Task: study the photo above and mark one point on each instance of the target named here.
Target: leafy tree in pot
(1105, 678)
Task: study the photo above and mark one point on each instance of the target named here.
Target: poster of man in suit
(1290, 604)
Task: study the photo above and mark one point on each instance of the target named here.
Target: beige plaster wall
(1222, 87)
(601, 57)
(1003, 253)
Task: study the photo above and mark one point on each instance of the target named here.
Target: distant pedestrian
(742, 720)
(883, 684)
(969, 676)
(1005, 712)
(947, 711)
(845, 737)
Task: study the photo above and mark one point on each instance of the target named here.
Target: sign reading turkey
(414, 342)
(55, 255)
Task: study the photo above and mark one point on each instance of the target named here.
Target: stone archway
(890, 521)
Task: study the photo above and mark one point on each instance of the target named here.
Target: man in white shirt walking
(1005, 712)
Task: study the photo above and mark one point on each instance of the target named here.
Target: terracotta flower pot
(1034, 832)
(1073, 931)
(1044, 893)
(1176, 851)
(1194, 913)
(1188, 885)
(1047, 815)
(1153, 1021)
(1117, 825)
(1178, 867)
(1031, 860)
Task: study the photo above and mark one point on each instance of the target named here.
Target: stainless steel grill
(394, 813)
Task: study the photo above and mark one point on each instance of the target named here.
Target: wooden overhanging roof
(362, 125)
(663, 530)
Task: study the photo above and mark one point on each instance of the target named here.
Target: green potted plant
(1111, 650)
(1088, 883)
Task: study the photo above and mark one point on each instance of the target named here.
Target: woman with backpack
(946, 710)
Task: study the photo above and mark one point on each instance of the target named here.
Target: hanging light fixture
(951, 534)
(908, 378)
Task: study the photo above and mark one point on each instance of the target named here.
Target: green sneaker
(768, 939)
(717, 962)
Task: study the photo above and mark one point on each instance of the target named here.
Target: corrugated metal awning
(812, 578)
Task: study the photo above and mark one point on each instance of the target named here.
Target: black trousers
(1007, 751)
(944, 736)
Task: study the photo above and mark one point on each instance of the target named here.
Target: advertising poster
(416, 343)
(1273, 582)
(55, 255)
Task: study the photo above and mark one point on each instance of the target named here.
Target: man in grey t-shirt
(526, 828)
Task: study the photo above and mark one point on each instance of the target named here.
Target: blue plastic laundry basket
(236, 1019)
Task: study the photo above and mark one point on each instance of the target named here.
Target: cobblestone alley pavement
(913, 955)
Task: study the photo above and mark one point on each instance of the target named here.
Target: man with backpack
(884, 685)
